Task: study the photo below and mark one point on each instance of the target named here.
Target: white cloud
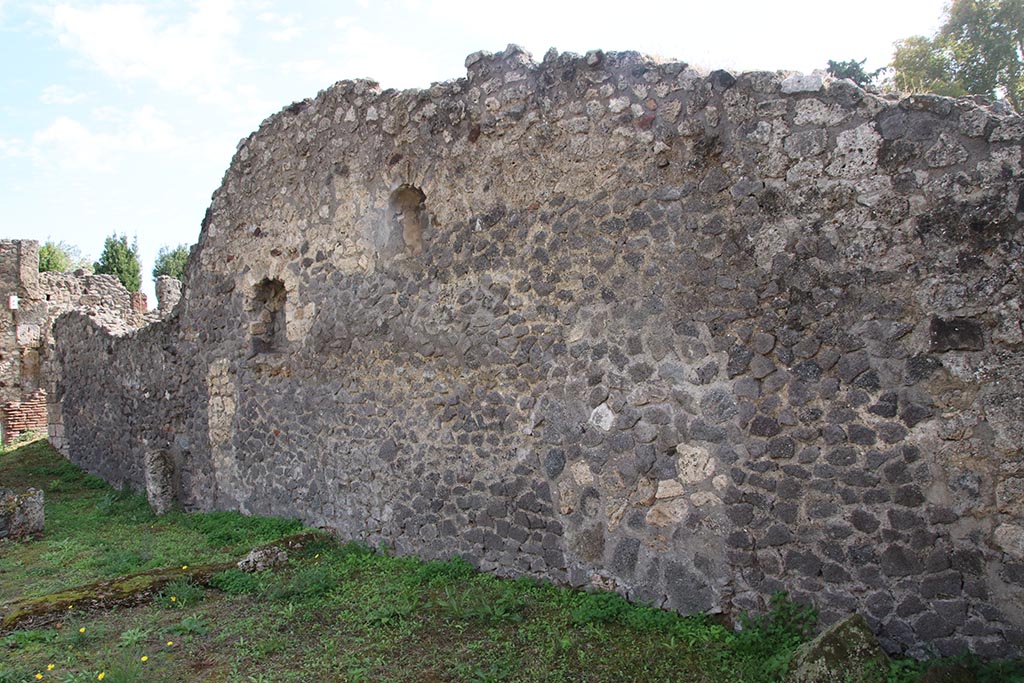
(313, 69)
(60, 95)
(394, 63)
(286, 34)
(129, 42)
(70, 145)
(286, 25)
(12, 147)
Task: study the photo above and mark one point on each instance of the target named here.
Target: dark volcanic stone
(763, 425)
(956, 334)
(554, 462)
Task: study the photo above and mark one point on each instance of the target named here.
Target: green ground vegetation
(341, 612)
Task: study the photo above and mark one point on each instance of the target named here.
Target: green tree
(853, 70)
(121, 260)
(54, 257)
(978, 50)
(61, 257)
(171, 261)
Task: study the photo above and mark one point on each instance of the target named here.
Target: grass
(344, 612)
(93, 532)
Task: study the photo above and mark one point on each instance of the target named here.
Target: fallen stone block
(21, 514)
(846, 651)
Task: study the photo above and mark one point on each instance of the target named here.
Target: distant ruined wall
(694, 338)
(31, 301)
(22, 318)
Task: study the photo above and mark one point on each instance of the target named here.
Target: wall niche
(268, 317)
(401, 234)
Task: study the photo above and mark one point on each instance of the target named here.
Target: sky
(122, 117)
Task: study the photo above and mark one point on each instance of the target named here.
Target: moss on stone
(124, 590)
(846, 652)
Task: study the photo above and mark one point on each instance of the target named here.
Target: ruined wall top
(31, 301)
(324, 172)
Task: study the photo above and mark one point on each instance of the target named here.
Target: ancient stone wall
(22, 320)
(31, 302)
(168, 292)
(100, 296)
(693, 337)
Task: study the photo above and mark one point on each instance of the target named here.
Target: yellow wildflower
(81, 630)
(144, 658)
(101, 676)
(184, 567)
(170, 643)
(38, 676)
(174, 599)
(49, 667)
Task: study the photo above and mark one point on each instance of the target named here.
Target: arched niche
(401, 234)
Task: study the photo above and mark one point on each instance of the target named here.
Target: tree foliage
(853, 70)
(121, 260)
(171, 261)
(61, 257)
(978, 50)
(53, 258)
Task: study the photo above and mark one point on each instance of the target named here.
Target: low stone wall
(100, 296)
(693, 337)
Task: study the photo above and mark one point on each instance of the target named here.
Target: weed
(307, 582)
(967, 667)
(288, 611)
(133, 637)
(79, 677)
(236, 582)
(446, 571)
(106, 504)
(63, 551)
(180, 593)
(191, 625)
(84, 635)
(113, 562)
(232, 529)
(491, 672)
(397, 608)
(452, 604)
(599, 608)
(127, 669)
(20, 639)
(905, 671)
(765, 644)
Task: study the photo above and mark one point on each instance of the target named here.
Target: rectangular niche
(268, 317)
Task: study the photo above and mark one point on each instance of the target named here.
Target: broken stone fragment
(21, 514)
(260, 559)
(847, 650)
(802, 83)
